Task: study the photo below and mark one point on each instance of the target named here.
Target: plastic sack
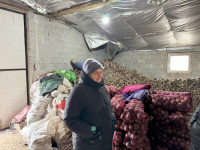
(138, 94)
(68, 75)
(135, 87)
(38, 109)
(35, 88)
(22, 115)
(61, 105)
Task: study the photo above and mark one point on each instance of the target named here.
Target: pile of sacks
(45, 119)
(132, 121)
(171, 113)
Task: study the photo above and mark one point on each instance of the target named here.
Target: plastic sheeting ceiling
(135, 24)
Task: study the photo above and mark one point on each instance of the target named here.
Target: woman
(194, 126)
(88, 112)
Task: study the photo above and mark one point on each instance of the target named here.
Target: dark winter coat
(89, 105)
(195, 130)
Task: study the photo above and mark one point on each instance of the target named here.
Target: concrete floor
(11, 140)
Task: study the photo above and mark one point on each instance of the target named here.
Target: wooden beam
(81, 7)
(9, 4)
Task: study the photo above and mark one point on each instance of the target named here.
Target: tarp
(135, 24)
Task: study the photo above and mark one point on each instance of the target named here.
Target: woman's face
(97, 75)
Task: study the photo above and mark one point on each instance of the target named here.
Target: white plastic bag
(38, 109)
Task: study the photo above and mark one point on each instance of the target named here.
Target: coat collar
(84, 78)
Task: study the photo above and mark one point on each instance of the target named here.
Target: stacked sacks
(169, 128)
(179, 101)
(44, 120)
(118, 76)
(131, 126)
(135, 124)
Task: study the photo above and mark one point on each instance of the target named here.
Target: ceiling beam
(18, 6)
(81, 7)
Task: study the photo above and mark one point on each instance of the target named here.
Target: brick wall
(154, 63)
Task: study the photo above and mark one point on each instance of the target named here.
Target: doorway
(13, 65)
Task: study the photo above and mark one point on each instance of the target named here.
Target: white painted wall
(13, 92)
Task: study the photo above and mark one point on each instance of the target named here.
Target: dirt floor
(11, 140)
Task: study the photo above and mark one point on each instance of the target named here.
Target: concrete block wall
(154, 63)
(53, 44)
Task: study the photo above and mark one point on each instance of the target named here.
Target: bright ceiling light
(105, 18)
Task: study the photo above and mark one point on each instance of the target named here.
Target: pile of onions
(131, 126)
(118, 138)
(112, 90)
(133, 112)
(179, 118)
(160, 115)
(170, 111)
(135, 142)
(161, 148)
(173, 142)
(118, 103)
(173, 130)
(172, 101)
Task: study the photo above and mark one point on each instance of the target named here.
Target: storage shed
(153, 42)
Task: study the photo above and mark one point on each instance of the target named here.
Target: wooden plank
(81, 7)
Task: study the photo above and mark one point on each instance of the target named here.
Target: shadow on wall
(0, 125)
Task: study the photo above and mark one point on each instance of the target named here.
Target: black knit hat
(91, 65)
